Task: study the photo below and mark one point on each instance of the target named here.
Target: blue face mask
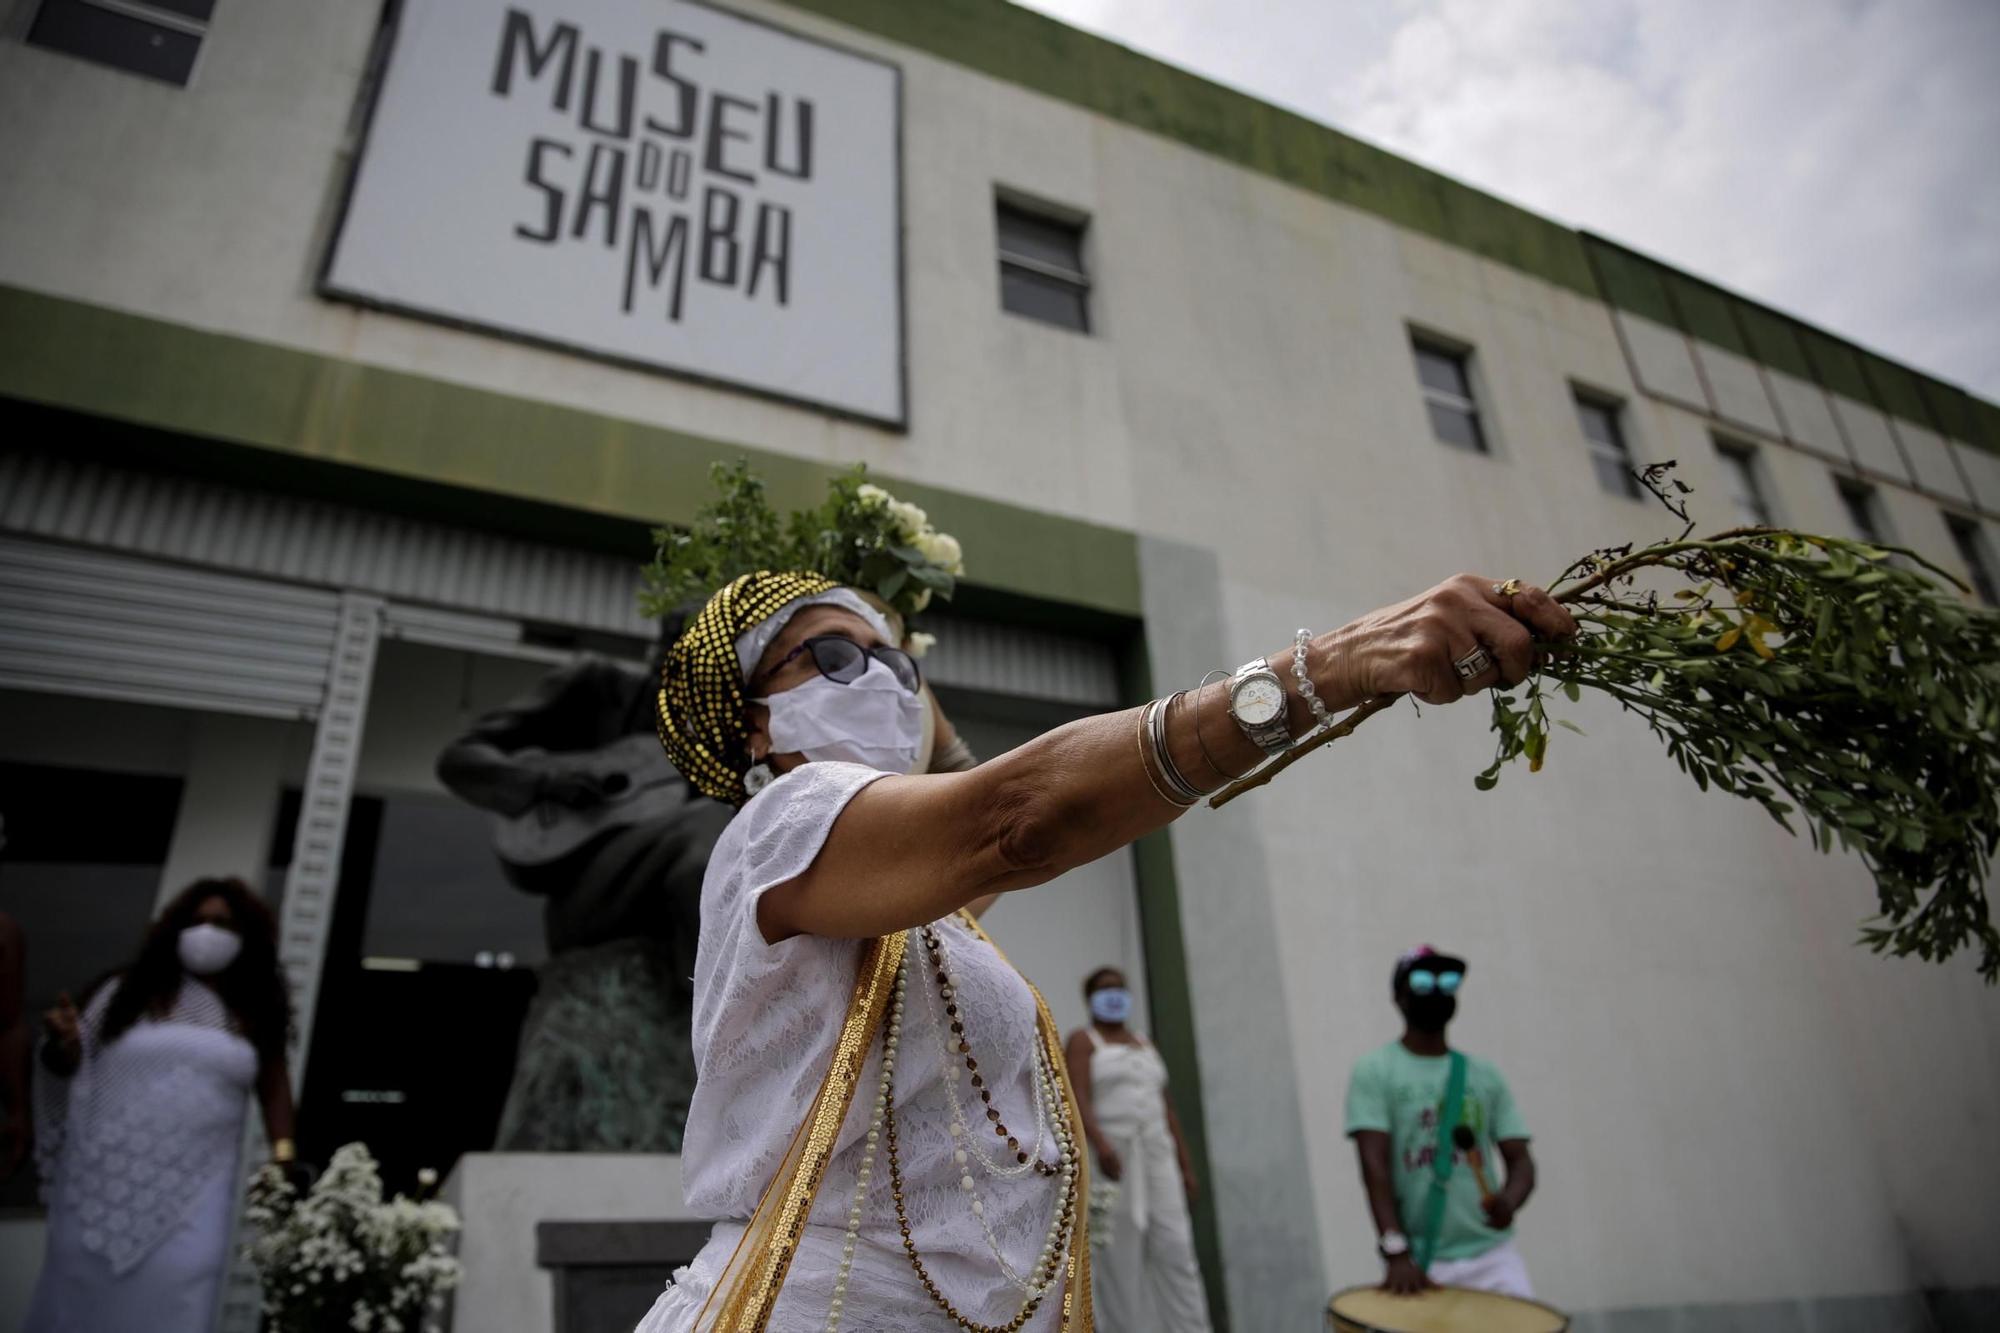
(1113, 1004)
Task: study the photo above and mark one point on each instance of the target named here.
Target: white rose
(923, 599)
(872, 496)
(920, 643)
(909, 518)
(427, 1177)
(942, 549)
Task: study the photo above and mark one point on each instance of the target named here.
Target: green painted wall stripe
(1171, 992)
(1630, 282)
(1022, 47)
(1951, 408)
(1774, 340)
(1895, 388)
(212, 386)
(1986, 419)
(1643, 286)
(1705, 313)
(1836, 365)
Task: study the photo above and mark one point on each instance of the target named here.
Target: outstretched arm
(908, 850)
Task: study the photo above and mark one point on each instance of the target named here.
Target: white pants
(1499, 1270)
(1146, 1280)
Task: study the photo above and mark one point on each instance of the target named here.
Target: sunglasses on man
(1425, 982)
(843, 661)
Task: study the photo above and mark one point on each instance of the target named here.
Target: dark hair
(1090, 982)
(253, 987)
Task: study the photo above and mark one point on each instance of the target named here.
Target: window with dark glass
(1746, 490)
(1864, 513)
(1445, 375)
(1609, 457)
(1041, 267)
(156, 38)
(1970, 539)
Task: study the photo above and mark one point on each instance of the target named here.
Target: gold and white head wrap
(701, 704)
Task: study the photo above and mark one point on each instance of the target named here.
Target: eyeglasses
(843, 661)
(1424, 982)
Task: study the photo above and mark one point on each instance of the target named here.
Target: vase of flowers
(340, 1257)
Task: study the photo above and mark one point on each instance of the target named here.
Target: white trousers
(1146, 1279)
(1499, 1270)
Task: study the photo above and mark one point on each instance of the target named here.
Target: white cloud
(1835, 159)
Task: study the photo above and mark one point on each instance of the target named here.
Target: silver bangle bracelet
(1177, 782)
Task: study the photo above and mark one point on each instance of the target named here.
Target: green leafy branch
(1839, 683)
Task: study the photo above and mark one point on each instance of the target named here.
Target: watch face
(1257, 701)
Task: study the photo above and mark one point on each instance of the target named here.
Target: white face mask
(206, 950)
(873, 721)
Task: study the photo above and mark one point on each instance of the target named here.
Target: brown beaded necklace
(1045, 1270)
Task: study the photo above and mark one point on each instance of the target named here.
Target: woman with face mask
(1143, 1265)
(882, 1113)
(140, 1101)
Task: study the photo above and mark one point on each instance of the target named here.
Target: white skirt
(883, 1294)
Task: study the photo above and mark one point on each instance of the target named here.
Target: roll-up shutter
(84, 622)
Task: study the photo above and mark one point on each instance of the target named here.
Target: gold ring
(1508, 589)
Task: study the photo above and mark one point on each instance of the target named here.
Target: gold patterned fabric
(699, 712)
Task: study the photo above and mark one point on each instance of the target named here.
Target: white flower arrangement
(861, 535)
(340, 1258)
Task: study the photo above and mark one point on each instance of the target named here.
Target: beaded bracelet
(1322, 720)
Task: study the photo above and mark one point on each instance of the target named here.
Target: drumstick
(1461, 1139)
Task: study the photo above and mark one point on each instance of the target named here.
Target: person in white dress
(139, 1106)
(1146, 1275)
(882, 1117)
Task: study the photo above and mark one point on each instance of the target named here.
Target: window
(1447, 385)
(1746, 493)
(1864, 512)
(157, 38)
(1608, 454)
(1971, 542)
(1041, 268)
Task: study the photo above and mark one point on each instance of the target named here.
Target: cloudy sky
(1838, 159)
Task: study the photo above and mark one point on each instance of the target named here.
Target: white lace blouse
(765, 1021)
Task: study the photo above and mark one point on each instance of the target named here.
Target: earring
(759, 777)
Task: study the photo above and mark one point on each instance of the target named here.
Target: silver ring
(1474, 664)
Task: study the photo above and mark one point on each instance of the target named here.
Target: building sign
(654, 181)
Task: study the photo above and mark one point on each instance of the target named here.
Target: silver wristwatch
(1392, 1244)
(1257, 702)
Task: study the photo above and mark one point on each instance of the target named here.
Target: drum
(1439, 1310)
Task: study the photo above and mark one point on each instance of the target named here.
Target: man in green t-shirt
(1395, 1099)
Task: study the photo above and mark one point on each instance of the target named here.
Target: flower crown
(860, 535)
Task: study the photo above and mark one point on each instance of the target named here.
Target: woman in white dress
(1147, 1277)
(140, 1100)
(882, 1115)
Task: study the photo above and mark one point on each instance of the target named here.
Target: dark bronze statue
(595, 821)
